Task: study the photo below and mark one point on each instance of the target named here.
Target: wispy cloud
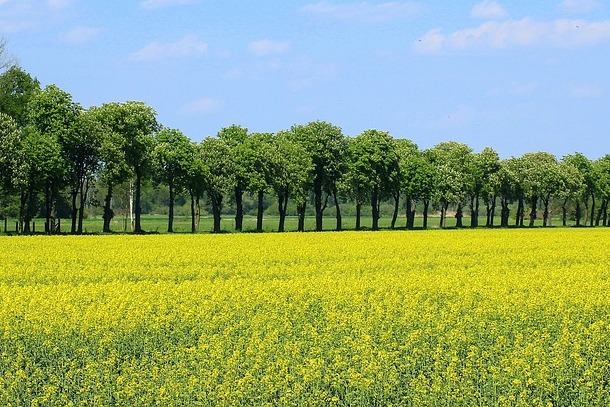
(152, 4)
(268, 47)
(188, 46)
(363, 11)
(488, 10)
(517, 33)
(579, 6)
(202, 106)
(80, 35)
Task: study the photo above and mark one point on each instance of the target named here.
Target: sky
(517, 76)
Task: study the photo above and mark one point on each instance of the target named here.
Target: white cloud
(488, 10)
(579, 6)
(80, 35)
(152, 4)
(204, 105)
(517, 33)
(363, 11)
(268, 47)
(186, 47)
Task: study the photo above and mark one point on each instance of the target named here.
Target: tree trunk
(337, 210)
(578, 212)
(74, 214)
(396, 208)
(444, 205)
(425, 220)
(83, 196)
(317, 190)
(216, 211)
(108, 212)
(358, 211)
(520, 212)
(138, 199)
(545, 215)
(505, 213)
(301, 213)
(282, 202)
(259, 213)
(193, 225)
(170, 220)
(533, 212)
(409, 204)
(47, 199)
(239, 209)
(375, 207)
(600, 213)
(564, 213)
(592, 210)
(459, 214)
(474, 211)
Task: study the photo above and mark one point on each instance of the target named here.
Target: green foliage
(16, 89)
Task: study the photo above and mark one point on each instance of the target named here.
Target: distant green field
(182, 224)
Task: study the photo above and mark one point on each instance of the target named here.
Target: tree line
(52, 147)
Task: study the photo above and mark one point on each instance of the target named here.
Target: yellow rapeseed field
(426, 318)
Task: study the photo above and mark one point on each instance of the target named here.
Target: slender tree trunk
(564, 213)
(459, 214)
(396, 209)
(600, 213)
(301, 207)
(193, 225)
(282, 203)
(444, 206)
(48, 228)
(592, 209)
(545, 216)
(74, 214)
(317, 190)
(337, 210)
(425, 214)
(108, 212)
(375, 207)
(505, 212)
(197, 212)
(239, 209)
(578, 212)
(259, 214)
(216, 211)
(474, 211)
(83, 196)
(170, 220)
(358, 212)
(138, 203)
(533, 212)
(409, 204)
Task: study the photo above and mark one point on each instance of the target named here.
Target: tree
(581, 197)
(600, 172)
(81, 146)
(53, 118)
(235, 137)
(171, 154)
(10, 140)
(257, 159)
(291, 173)
(195, 172)
(135, 123)
(16, 89)
(407, 152)
(6, 61)
(375, 162)
(540, 180)
(113, 165)
(453, 161)
(354, 183)
(216, 158)
(571, 182)
(484, 166)
(327, 147)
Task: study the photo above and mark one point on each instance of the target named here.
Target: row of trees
(53, 146)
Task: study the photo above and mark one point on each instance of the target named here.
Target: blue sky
(517, 76)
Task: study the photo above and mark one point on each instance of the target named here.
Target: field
(517, 317)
